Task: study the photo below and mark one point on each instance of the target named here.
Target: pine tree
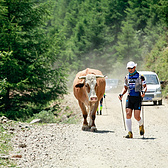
(27, 58)
(162, 8)
(128, 44)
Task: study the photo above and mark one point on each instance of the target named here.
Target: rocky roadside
(32, 142)
(10, 128)
(42, 146)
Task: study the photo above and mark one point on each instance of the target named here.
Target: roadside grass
(63, 115)
(5, 147)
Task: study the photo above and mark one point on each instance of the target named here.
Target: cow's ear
(79, 85)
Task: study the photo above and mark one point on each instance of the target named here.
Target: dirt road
(67, 146)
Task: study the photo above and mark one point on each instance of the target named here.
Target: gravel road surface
(67, 146)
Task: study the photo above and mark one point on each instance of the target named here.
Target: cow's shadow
(103, 131)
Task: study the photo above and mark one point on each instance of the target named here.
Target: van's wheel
(155, 102)
(160, 102)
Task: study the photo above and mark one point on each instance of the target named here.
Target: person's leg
(128, 119)
(137, 113)
(129, 107)
(137, 116)
(140, 121)
(137, 110)
(101, 105)
(129, 123)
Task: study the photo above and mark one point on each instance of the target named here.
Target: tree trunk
(7, 100)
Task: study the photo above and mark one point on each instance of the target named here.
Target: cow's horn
(100, 76)
(82, 77)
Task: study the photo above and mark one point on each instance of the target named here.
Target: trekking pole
(105, 106)
(143, 115)
(122, 112)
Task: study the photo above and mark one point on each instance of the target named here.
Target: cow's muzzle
(93, 99)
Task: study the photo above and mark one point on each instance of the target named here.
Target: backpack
(138, 83)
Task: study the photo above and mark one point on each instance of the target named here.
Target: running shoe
(141, 130)
(130, 135)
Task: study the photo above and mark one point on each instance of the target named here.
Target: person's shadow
(145, 138)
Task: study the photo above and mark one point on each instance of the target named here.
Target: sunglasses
(131, 68)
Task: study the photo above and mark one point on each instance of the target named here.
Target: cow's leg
(93, 116)
(85, 126)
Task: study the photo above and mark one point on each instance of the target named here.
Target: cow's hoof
(85, 128)
(93, 129)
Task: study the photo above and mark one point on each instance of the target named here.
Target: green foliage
(41, 38)
(55, 115)
(162, 8)
(29, 64)
(95, 30)
(45, 116)
(157, 60)
(139, 13)
(128, 44)
(90, 29)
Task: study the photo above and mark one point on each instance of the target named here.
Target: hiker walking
(101, 105)
(135, 84)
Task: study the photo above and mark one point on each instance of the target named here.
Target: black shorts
(134, 102)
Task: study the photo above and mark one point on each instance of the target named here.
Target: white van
(153, 93)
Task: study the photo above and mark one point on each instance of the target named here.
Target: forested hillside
(106, 34)
(42, 42)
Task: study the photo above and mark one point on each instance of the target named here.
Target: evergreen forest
(44, 43)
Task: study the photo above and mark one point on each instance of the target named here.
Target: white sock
(140, 122)
(129, 124)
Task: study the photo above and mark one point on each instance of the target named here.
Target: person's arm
(143, 90)
(144, 86)
(123, 92)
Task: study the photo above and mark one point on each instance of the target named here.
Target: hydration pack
(131, 82)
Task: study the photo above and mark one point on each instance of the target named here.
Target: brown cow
(89, 88)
